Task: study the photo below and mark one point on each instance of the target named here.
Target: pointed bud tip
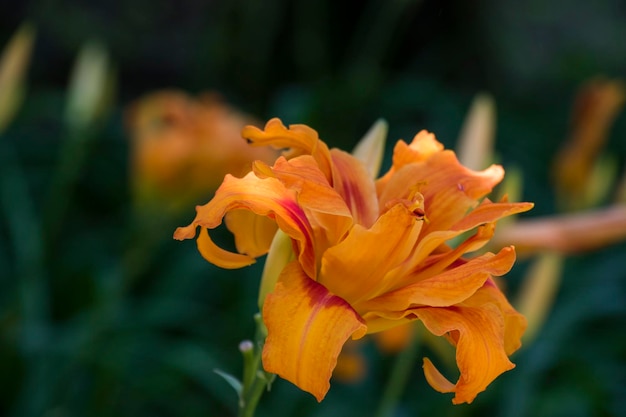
(246, 346)
(371, 147)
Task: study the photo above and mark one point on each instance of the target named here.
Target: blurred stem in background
(399, 376)
(582, 171)
(34, 231)
(374, 34)
(22, 220)
(89, 95)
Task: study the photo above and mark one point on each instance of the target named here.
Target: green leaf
(232, 381)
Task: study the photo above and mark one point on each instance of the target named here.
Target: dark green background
(110, 317)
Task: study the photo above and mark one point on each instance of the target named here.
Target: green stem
(402, 367)
(72, 157)
(255, 379)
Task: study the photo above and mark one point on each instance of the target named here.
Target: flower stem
(255, 379)
(402, 367)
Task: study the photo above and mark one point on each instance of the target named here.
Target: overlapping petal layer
(369, 255)
(479, 353)
(307, 326)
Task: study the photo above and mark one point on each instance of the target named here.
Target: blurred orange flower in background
(182, 147)
(577, 165)
(369, 255)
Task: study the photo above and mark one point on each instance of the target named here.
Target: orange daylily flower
(183, 146)
(369, 254)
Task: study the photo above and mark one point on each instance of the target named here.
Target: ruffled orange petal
(424, 144)
(307, 327)
(486, 212)
(355, 268)
(303, 175)
(449, 189)
(264, 197)
(447, 288)
(422, 147)
(489, 212)
(326, 210)
(514, 323)
(298, 139)
(437, 263)
(480, 353)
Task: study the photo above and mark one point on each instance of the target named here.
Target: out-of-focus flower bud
(577, 167)
(90, 88)
(371, 147)
(13, 64)
(476, 140)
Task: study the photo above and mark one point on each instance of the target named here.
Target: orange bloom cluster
(368, 254)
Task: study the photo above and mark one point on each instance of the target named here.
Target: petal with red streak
(264, 197)
(307, 327)
(326, 210)
(352, 181)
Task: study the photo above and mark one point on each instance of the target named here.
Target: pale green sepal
(476, 140)
(512, 186)
(89, 86)
(371, 148)
(279, 255)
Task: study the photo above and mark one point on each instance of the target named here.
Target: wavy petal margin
(263, 197)
(298, 139)
(480, 352)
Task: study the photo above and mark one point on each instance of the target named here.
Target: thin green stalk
(72, 156)
(402, 367)
(17, 209)
(255, 379)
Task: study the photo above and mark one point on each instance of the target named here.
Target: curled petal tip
(218, 256)
(435, 379)
(185, 232)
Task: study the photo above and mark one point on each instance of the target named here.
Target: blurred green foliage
(103, 314)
